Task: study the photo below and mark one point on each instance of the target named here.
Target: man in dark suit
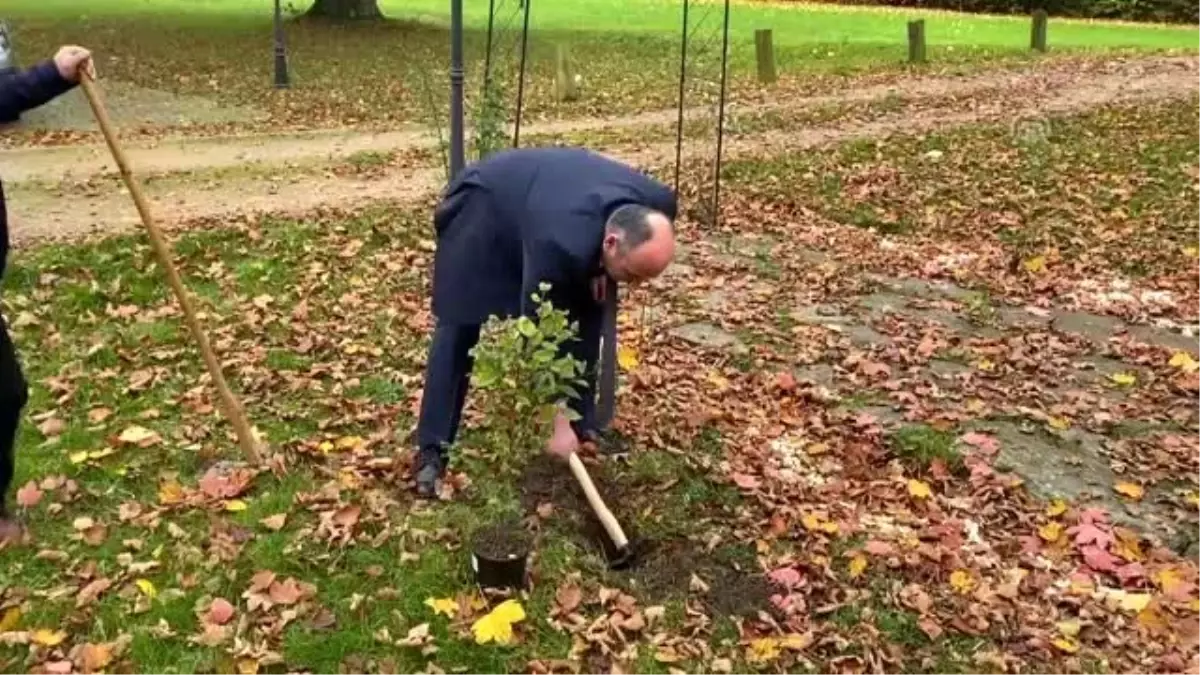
(21, 91)
(566, 216)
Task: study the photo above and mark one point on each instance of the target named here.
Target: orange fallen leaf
(1131, 490)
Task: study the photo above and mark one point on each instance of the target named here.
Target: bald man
(566, 216)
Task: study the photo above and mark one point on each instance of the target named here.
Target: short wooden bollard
(1037, 37)
(565, 86)
(916, 41)
(764, 52)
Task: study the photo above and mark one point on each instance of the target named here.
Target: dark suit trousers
(14, 393)
(448, 373)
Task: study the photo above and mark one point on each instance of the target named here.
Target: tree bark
(346, 10)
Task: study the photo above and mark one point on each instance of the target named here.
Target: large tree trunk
(346, 10)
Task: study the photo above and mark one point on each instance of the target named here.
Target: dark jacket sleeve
(29, 89)
(545, 261)
(660, 197)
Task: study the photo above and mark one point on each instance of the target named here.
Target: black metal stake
(682, 78)
(716, 204)
(281, 65)
(521, 76)
(456, 87)
(487, 52)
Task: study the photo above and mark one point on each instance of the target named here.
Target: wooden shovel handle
(232, 407)
(606, 518)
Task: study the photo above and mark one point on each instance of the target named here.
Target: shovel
(622, 554)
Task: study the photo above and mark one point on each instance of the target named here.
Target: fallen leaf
(627, 358)
(52, 426)
(1034, 265)
(48, 638)
(58, 667)
(247, 665)
(445, 606)
(10, 620)
(286, 592)
(1066, 645)
(496, 625)
(347, 516)
(919, 489)
(816, 523)
(1131, 490)
(745, 481)
(787, 577)
(220, 611)
(275, 522)
(1184, 361)
(147, 588)
(29, 495)
(236, 505)
(982, 441)
(98, 415)
(1060, 423)
(1051, 531)
(961, 581)
(763, 650)
(91, 591)
(1123, 379)
(568, 597)
(1068, 628)
(139, 436)
(170, 492)
(858, 565)
(1056, 508)
(94, 657)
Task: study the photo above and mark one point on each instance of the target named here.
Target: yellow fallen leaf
(445, 606)
(78, 457)
(975, 405)
(1194, 499)
(1056, 508)
(147, 588)
(627, 358)
(325, 447)
(961, 581)
(985, 364)
(170, 492)
(1191, 251)
(1134, 602)
(1068, 628)
(1067, 645)
(763, 650)
(348, 442)
(496, 625)
(137, 435)
(236, 505)
(858, 565)
(1131, 490)
(1060, 423)
(48, 638)
(817, 449)
(817, 523)
(247, 666)
(1035, 264)
(1184, 362)
(1123, 379)
(796, 642)
(919, 488)
(1051, 531)
(10, 620)
(718, 380)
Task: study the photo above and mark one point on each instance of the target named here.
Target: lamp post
(456, 87)
(281, 67)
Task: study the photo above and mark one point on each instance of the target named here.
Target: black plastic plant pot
(500, 557)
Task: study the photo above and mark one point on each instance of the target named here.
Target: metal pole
(487, 53)
(456, 87)
(682, 78)
(721, 120)
(281, 66)
(521, 77)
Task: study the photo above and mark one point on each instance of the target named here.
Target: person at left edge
(517, 218)
(19, 92)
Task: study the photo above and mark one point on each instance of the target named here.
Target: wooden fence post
(1037, 39)
(564, 76)
(916, 41)
(764, 51)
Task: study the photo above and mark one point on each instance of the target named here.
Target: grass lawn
(626, 52)
(909, 549)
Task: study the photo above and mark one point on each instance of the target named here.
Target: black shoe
(607, 441)
(431, 466)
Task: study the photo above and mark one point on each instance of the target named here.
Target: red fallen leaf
(1093, 515)
(1131, 573)
(786, 382)
(982, 441)
(779, 525)
(220, 611)
(873, 368)
(29, 495)
(745, 481)
(347, 516)
(215, 484)
(787, 577)
(1087, 533)
(1099, 559)
(568, 596)
(876, 547)
(926, 348)
(286, 592)
(261, 580)
(58, 667)
(930, 628)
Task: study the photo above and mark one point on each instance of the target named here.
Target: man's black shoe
(431, 466)
(607, 441)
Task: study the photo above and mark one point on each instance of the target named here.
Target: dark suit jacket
(19, 92)
(524, 216)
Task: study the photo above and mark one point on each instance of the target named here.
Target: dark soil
(501, 542)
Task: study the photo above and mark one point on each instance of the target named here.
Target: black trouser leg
(586, 348)
(14, 393)
(447, 377)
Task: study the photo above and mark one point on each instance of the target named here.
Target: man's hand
(563, 442)
(72, 60)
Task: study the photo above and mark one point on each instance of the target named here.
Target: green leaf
(526, 327)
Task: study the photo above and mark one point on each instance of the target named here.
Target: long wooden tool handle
(607, 519)
(233, 408)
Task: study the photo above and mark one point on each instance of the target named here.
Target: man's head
(638, 243)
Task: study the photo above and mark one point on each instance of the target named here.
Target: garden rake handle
(606, 518)
(233, 408)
